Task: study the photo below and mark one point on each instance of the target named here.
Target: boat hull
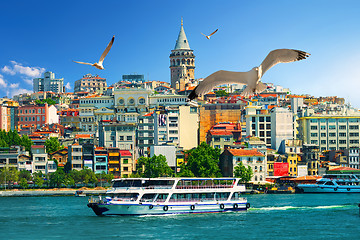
(314, 188)
(163, 209)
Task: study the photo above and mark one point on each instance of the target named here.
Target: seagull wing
(282, 56)
(218, 78)
(213, 32)
(84, 63)
(106, 51)
(203, 34)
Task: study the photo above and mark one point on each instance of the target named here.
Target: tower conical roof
(182, 42)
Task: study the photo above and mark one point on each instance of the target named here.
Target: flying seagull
(99, 65)
(251, 78)
(208, 36)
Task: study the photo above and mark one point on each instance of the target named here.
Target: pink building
(36, 115)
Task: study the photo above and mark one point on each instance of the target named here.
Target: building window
(129, 138)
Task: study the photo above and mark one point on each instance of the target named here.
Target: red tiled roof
(343, 168)
(37, 146)
(245, 152)
(148, 114)
(83, 136)
(220, 132)
(125, 153)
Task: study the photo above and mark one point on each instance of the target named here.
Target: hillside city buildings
(107, 128)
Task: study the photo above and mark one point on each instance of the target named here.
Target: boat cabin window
(149, 197)
(236, 196)
(126, 183)
(205, 183)
(329, 183)
(124, 196)
(161, 197)
(222, 196)
(188, 197)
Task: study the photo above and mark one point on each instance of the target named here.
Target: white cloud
(2, 81)
(20, 91)
(8, 70)
(32, 72)
(14, 85)
(28, 81)
(67, 86)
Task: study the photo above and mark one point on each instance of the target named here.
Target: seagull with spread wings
(99, 65)
(251, 78)
(208, 36)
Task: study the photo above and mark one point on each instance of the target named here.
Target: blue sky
(38, 36)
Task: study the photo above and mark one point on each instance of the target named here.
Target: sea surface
(289, 216)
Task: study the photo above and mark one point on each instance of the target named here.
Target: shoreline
(49, 192)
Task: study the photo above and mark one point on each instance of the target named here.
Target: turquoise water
(293, 216)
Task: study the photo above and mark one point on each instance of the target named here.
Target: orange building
(211, 114)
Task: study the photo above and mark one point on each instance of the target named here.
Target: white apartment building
(48, 83)
(282, 126)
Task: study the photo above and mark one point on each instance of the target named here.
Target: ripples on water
(293, 216)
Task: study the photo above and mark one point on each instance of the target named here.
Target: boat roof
(174, 178)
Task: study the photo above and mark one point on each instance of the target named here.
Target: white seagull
(251, 78)
(208, 36)
(99, 65)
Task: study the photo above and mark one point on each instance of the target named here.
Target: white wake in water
(283, 208)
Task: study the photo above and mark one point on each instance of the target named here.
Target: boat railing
(205, 187)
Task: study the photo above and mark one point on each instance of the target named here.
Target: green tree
(203, 161)
(184, 171)
(57, 178)
(153, 167)
(52, 145)
(26, 142)
(38, 179)
(221, 93)
(25, 174)
(23, 183)
(245, 174)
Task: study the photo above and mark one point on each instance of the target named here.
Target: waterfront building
(353, 157)
(282, 126)
(9, 156)
(258, 123)
(127, 163)
(61, 156)
(91, 84)
(211, 114)
(330, 132)
(117, 134)
(114, 166)
(182, 62)
(100, 160)
(39, 159)
(48, 83)
(145, 134)
(36, 116)
(230, 158)
(75, 156)
(311, 156)
(25, 162)
(223, 135)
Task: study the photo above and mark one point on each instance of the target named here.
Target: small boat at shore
(80, 193)
(333, 183)
(159, 196)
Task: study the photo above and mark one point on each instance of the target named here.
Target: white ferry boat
(333, 183)
(157, 196)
